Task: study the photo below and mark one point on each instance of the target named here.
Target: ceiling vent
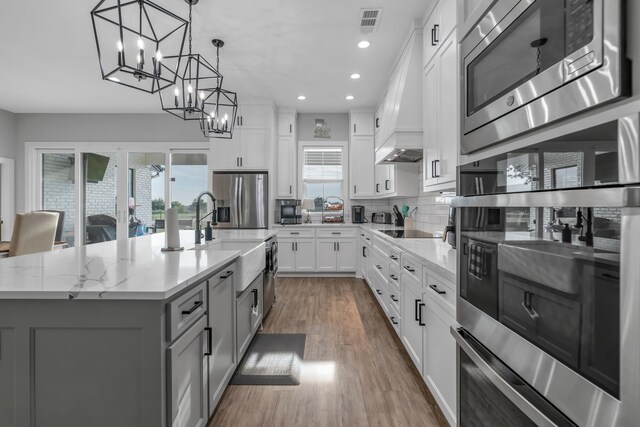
(369, 20)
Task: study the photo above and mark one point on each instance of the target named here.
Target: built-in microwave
(548, 273)
(528, 63)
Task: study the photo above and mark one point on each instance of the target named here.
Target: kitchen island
(118, 334)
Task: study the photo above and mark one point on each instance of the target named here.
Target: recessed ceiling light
(114, 79)
(355, 76)
(349, 97)
(363, 44)
(302, 97)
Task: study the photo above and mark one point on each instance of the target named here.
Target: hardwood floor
(355, 373)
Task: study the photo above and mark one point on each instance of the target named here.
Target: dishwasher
(270, 274)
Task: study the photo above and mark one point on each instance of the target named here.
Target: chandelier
(131, 38)
(220, 107)
(196, 79)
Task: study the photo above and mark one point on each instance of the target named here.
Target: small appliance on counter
(357, 214)
(381, 218)
(399, 222)
(288, 211)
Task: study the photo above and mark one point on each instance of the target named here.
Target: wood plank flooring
(355, 372)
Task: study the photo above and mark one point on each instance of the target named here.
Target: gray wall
(95, 128)
(339, 124)
(8, 134)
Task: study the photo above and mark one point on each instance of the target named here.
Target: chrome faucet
(213, 198)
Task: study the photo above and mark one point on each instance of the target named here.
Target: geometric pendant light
(135, 39)
(195, 80)
(220, 107)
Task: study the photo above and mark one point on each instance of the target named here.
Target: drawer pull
(420, 322)
(409, 269)
(255, 298)
(393, 320)
(393, 257)
(368, 238)
(378, 291)
(227, 275)
(336, 232)
(378, 267)
(209, 331)
(295, 233)
(435, 289)
(394, 277)
(393, 298)
(196, 306)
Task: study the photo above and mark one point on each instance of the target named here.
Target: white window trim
(345, 172)
(33, 171)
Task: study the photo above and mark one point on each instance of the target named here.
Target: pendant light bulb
(120, 46)
(176, 91)
(190, 89)
(202, 95)
(140, 43)
(213, 114)
(158, 56)
(226, 117)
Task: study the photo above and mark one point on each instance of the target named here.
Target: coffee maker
(357, 214)
(449, 234)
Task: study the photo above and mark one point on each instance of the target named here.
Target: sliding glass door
(58, 191)
(146, 193)
(100, 197)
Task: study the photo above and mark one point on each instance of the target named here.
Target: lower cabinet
(412, 318)
(221, 320)
(248, 315)
(297, 256)
(337, 255)
(187, 377)
(439, 352)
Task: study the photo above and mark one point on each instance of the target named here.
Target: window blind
(322, 164)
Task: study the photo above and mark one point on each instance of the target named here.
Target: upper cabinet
(361, 167)
(377, 121)
(362, 124)
(250, 147)
(439, 25)
(286, 123)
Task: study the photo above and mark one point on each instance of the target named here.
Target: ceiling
(275, 49)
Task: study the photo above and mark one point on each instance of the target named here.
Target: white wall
(8, 134)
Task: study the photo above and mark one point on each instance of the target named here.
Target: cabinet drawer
(440, 291)
(394, 255)
(185, 310)
(394, 318)
(366, 237)
(411, 266)
(381, 266)
(394, 281)
(394, 298)
(336, 233)
(380, 244)
(294, 233)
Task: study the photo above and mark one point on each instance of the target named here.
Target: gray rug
(272, 359)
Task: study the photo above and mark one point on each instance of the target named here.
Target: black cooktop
(408, 234)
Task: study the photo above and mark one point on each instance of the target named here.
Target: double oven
(528, 63)
(548, 301)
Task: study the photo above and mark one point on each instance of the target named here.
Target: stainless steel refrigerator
(242, 199)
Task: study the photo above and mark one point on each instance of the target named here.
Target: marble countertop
(134, 269)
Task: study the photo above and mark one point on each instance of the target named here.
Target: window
(565, 177)
(322, 174)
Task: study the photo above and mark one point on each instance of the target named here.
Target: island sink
(249, 265)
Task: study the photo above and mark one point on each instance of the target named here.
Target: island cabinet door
(221, 319)
(187, 377)
(244, 321)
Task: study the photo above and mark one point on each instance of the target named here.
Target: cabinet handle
(394, 277)
(238, 121)
(436, 33)
(241, 158)
(377, 188)
(436, 163)
(334, 246)
(409, 269)
(255, 298)
(227, 275)
(355, 189)
(393, 320)
(241, 120)
(378, 291)
(290, 128)
(433, 36)
(293, 248)
(415, 309)
(355, 128)
(393, 257)
(379, 267)
(433, 169)
(291, 189)
(420, 322)
(364, 251)
(336, 232)
(377, 122)
(393, 298)
(386, 184)
(196, 306)
(209, 332)
(435, 289)
(527, 306)
(294, 233)
(338, 246)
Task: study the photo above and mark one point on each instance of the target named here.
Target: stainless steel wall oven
(548, 282)
(528, 63)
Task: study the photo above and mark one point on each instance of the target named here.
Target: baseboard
(302, 275)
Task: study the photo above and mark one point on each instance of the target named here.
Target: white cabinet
(439, 352)
(396, 180)
(412, 318)
(221, 321)
(297, 256)
(248, 315)
(377, 119)
(362, 124)
(441, 22)
(286, 173)
(441, 117)
(286, 124)
(187, 382)
(336, 255)
(250, 147)
(362, 167)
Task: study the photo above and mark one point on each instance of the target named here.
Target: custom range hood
(400, 135)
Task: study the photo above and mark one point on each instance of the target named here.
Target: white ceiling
(275, 49)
